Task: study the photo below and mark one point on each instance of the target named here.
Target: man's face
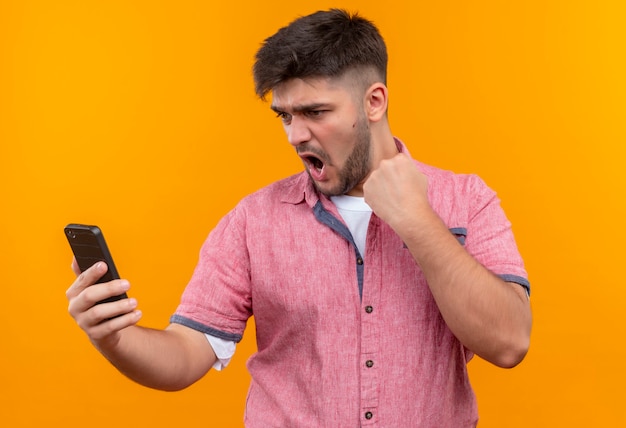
(326, 124)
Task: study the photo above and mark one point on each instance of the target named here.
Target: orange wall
(140, 116)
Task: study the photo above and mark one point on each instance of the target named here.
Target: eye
(284, 117)
(315, 113)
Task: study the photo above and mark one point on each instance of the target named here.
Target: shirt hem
(179, 319)
(518, 280)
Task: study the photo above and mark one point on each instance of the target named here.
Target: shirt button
(359, 261)
(369, 363)
(369, 415)
(369, 309)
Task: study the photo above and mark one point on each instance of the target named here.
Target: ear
(376, 101)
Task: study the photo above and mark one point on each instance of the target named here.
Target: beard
(357, 165)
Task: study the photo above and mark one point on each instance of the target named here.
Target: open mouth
(315, 165)
(315, 162)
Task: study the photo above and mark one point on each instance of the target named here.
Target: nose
(297, 131)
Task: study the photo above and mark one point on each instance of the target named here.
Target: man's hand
(101, 322)
(397, 191)
(169, 359)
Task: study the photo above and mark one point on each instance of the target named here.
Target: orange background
(140, 116)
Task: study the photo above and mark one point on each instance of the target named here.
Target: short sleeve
(217, 300)
(490, 236)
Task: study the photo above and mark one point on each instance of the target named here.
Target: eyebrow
(301, 108)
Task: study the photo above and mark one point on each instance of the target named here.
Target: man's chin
(327, 189)
(324, 190)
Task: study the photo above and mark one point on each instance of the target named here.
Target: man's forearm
(488, 315)
(169, 360)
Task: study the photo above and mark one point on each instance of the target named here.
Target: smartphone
(89, 247)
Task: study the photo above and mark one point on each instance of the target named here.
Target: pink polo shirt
(343, 340)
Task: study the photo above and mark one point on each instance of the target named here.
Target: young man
(373, 278)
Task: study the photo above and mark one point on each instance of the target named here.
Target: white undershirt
(356, 213)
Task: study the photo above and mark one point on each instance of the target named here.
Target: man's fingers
(103, 329)
(88, 296)
(85, 279)
(105, 318)
(94, 294)
(86, 310)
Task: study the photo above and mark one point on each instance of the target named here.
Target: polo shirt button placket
(369, 364)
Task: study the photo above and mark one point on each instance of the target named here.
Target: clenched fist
(397, 192)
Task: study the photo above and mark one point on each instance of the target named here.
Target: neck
(383, 145)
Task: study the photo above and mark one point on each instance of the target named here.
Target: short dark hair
(323, 44)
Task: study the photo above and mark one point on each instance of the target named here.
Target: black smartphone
(89, 247)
